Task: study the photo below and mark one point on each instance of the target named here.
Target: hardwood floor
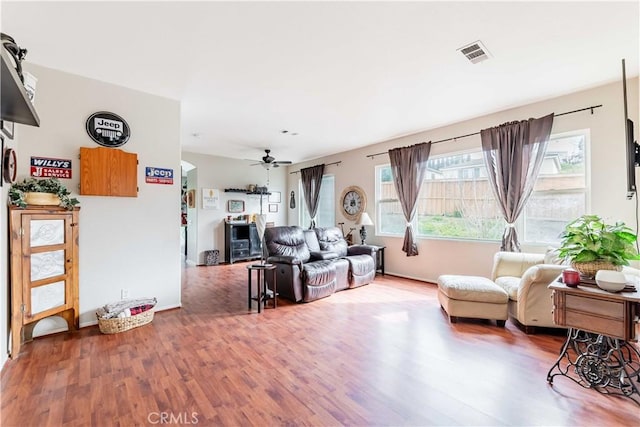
(383, 354)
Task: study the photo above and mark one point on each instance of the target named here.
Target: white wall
(5, 303)
(192, 220)
(606, 161)
(220, 173)
(125, 242)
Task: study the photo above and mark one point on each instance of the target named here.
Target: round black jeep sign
(108, 129)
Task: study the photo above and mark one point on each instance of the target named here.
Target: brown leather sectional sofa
(313, 264)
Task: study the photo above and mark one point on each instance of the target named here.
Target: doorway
(188, 211)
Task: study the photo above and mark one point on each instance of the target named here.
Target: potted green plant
(590, 245)
(26, 192)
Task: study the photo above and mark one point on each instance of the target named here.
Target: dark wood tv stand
(241, 242)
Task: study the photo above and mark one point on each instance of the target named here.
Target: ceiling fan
(268, 161)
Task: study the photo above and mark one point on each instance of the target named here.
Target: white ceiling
(340, 74)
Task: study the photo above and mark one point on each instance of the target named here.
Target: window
(560, 194)
(456, 200)
(326, 216)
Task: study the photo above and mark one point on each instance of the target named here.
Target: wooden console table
(598, 352)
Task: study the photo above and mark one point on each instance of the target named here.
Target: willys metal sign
(45, 167)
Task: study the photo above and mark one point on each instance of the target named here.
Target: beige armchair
(526, 277)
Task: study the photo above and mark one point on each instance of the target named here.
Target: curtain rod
(326, 164)
(478, 133)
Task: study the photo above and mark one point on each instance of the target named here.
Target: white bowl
(609, 280)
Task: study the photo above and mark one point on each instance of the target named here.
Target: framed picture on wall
(191, 199)
(210, 198)
(274, 197)
(273, 207)
(1, 160)
(7, 128)
(235, 206)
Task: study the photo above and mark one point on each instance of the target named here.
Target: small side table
(263, 294)
(380, 259)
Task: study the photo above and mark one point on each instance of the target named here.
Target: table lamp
(261, 222)
(362, 221)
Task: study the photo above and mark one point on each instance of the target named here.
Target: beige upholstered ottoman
(472, 297)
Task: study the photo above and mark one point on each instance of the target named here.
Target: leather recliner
(313, 264)
(526, 278)
(361, 258)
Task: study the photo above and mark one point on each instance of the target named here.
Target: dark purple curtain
(513, 154)
(408, 166)
(311, 181)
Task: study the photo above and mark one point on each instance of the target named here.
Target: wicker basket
(589, 269)
(121, 324)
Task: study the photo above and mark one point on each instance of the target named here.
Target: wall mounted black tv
(633, 152)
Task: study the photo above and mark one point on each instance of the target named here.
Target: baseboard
(52, 331)
(404, 276)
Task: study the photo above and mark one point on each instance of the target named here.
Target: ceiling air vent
(475, 52)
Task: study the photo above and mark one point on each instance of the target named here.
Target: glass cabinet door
(47, 253)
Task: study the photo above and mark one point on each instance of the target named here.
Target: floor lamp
(261, 223)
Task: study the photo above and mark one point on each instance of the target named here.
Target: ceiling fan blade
(256, 164)
(283, 162)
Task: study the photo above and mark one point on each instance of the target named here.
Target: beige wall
(125, 242)
(220, 173)
(606, 163)
(5, 304)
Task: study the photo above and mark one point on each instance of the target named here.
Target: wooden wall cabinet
(44, 269)
(108, 172)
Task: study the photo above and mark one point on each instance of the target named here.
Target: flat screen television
(633, 153)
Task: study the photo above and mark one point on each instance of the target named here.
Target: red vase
(571, 277)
